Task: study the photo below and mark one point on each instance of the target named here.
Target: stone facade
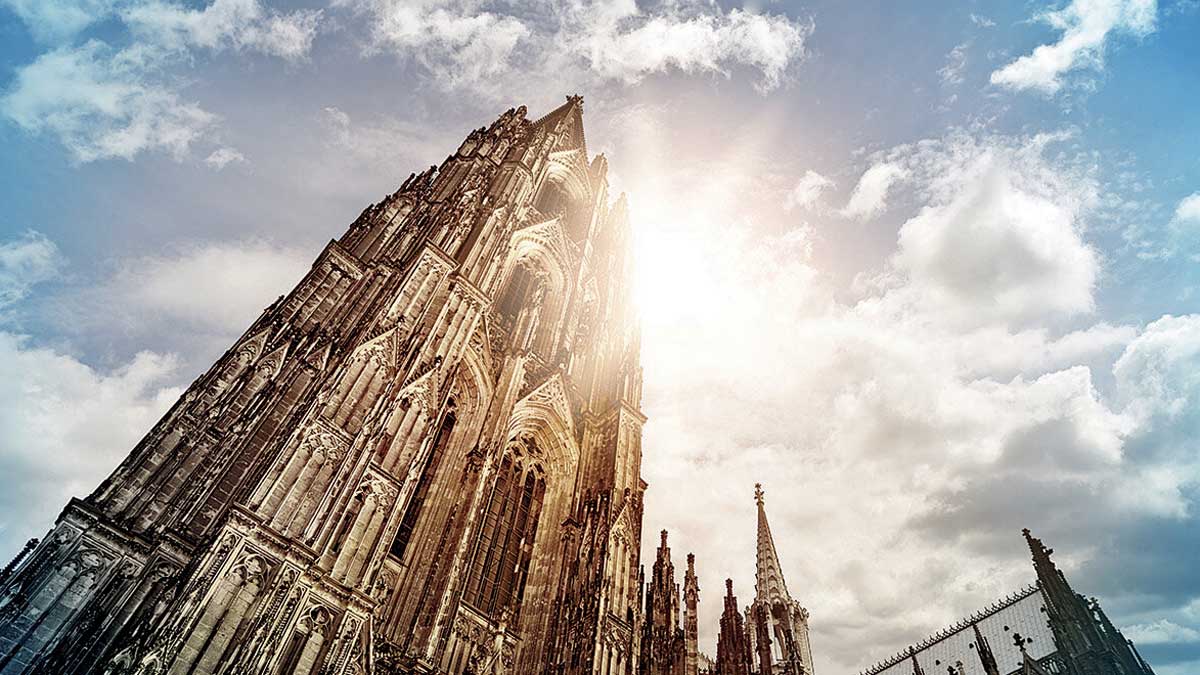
(424, 458)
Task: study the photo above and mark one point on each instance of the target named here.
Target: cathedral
(1045, 629)
(425, 458)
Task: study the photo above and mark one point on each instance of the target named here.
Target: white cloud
(1161, 632)
(241, 24)
(1159, 373)
(100, 105)
(216, 286)
(869, 198)
(956, 63)
(222, 157)
(1187, 212)
(472, 43)
(1002, 230)
(55, 21)
(1087, 28)
(65, 425)
(25, 262)
(104, 102)
(620, 41)
(807, 191)
(457, 41)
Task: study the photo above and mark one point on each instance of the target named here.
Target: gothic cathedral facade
(426, 458)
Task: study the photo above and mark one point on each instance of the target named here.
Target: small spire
(664, 538)
(984, 650)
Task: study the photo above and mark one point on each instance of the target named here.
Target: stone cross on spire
(768, 577)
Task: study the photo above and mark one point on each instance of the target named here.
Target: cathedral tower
(424, 458)
(774, 615)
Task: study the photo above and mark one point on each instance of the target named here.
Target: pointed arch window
(517, 293)
(412, 512)
(504, 546)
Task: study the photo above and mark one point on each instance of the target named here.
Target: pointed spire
(986, 658)
(768, 577)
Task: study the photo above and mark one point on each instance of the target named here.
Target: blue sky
(927, 271)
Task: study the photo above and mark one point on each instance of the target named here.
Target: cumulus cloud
(1002, 230)
(470, 42)
(49, 456)
(1087, 26)
(105, 102)
(458, 40)
(101, 105)
(807, 191)
(869, 198)
(620, 41)
(1187, 212)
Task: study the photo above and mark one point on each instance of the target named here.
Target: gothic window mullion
(535, 513)
(412, 511)
(500, 544)
(484, 546)
(512, 550)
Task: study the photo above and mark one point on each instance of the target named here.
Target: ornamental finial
(758, 494)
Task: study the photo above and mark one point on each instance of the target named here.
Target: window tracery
(507, 532)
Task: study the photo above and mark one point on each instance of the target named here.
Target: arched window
(412, 512)
(516, 294)
(552, 199)
(504, 545)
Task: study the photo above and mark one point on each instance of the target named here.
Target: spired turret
(691, 621)
(424, 458)
(776, 623)
(664, 640)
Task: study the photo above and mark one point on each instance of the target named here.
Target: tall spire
(768, 576)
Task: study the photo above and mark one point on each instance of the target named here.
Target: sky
(929, 272)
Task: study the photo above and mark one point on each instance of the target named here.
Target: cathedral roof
(1021, 612)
